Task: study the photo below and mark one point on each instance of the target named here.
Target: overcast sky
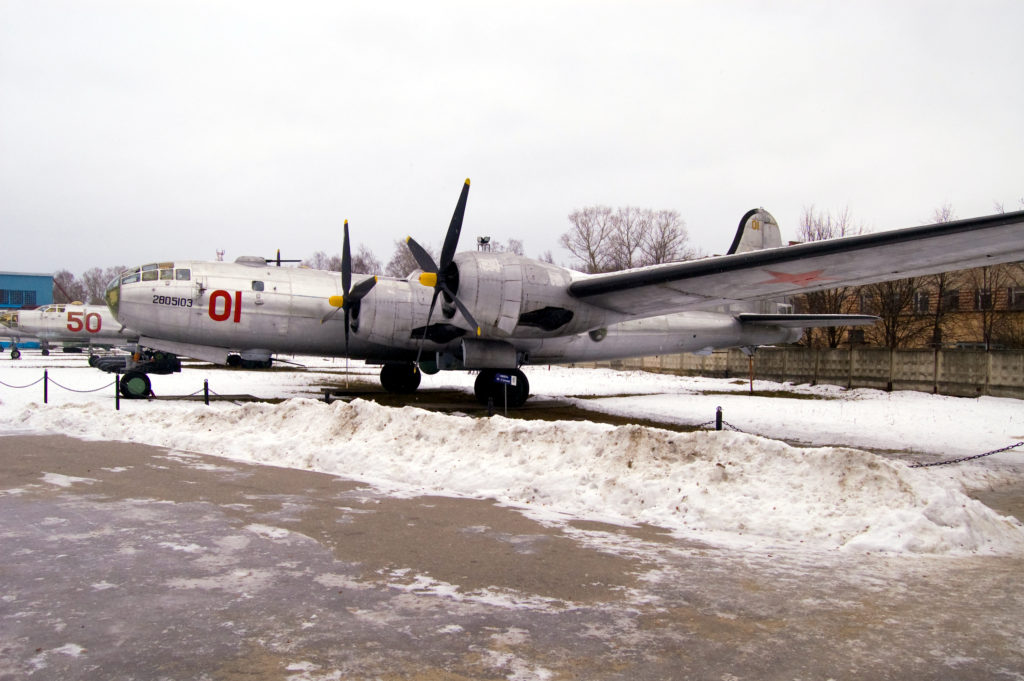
(138, 131)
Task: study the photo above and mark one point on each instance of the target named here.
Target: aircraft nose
(113, 296)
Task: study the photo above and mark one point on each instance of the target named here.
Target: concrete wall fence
(961, 373)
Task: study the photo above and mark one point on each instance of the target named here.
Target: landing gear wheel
(400, 378)
(135, 385)
(487, 388)
(46, 352)
(15, 353)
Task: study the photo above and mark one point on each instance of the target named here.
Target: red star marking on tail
(799, 278)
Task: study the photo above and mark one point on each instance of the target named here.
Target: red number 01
(223, 316)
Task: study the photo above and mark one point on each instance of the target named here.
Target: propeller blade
(432, 272)
(423, 259)
(329, 315)
(359, 291)
(346, 334)
(433, 302)
(451, 239)
(463, 310)
(346, 264)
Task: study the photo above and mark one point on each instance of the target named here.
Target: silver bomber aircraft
(497, 312)
(73, 325)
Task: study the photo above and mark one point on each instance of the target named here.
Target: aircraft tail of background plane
(757, 231)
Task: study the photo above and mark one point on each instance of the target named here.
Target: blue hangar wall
(19, 290)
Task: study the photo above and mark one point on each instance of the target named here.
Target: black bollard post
(117, 391)
(206, 391)
(718, 419)
(46, 386)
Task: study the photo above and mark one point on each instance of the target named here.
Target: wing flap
(807, 321)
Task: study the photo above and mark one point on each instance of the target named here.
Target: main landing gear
(494, 387)
(501, 387)
(401, 378)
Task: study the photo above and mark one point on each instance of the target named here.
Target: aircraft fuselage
(521, 305)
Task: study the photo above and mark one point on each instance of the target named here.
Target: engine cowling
(509, 294)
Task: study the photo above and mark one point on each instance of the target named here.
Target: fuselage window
(182, 275)
(153, 266)
(257, 286)
(130, 278)
(150, 275)
(166, 274)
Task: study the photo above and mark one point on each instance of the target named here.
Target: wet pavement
(123, 561)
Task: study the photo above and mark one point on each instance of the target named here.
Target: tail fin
(757, 231)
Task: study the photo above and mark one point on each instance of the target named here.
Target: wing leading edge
(779, 272)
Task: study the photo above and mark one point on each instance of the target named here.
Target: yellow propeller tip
(478, 331)
(346, 222)
(467, 180)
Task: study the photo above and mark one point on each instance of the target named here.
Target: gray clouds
(141, 131)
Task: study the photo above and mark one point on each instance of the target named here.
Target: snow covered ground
(733, 489)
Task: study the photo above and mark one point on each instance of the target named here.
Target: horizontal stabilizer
(807, 321)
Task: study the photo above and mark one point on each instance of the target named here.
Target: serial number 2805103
(173, 302)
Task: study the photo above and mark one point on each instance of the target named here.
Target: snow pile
(725, 488)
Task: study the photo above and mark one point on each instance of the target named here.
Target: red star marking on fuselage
(798, 279)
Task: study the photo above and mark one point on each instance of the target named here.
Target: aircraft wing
(780, 272)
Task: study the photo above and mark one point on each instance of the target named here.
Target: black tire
(135, 385)
(400, 378)
(487, 388)
(15, 353)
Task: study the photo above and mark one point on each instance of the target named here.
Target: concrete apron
(133, 562)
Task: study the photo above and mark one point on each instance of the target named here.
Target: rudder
(756, 232)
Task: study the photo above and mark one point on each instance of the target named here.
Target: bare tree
(402, 261)
(94, 283)
(666, 239)
(365, 262)
(589, 237)
(67, 289)
(604, 239)
(942, 282)
(893, 302)
(321, 261)
(815, 226)
(987, 283)
(630, 230)
(511, 246)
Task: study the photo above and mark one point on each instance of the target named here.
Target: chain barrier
(718, 423)
(968, 458)
(72, 390)
(20, 387)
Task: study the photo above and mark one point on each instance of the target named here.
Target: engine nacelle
(508, 294)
